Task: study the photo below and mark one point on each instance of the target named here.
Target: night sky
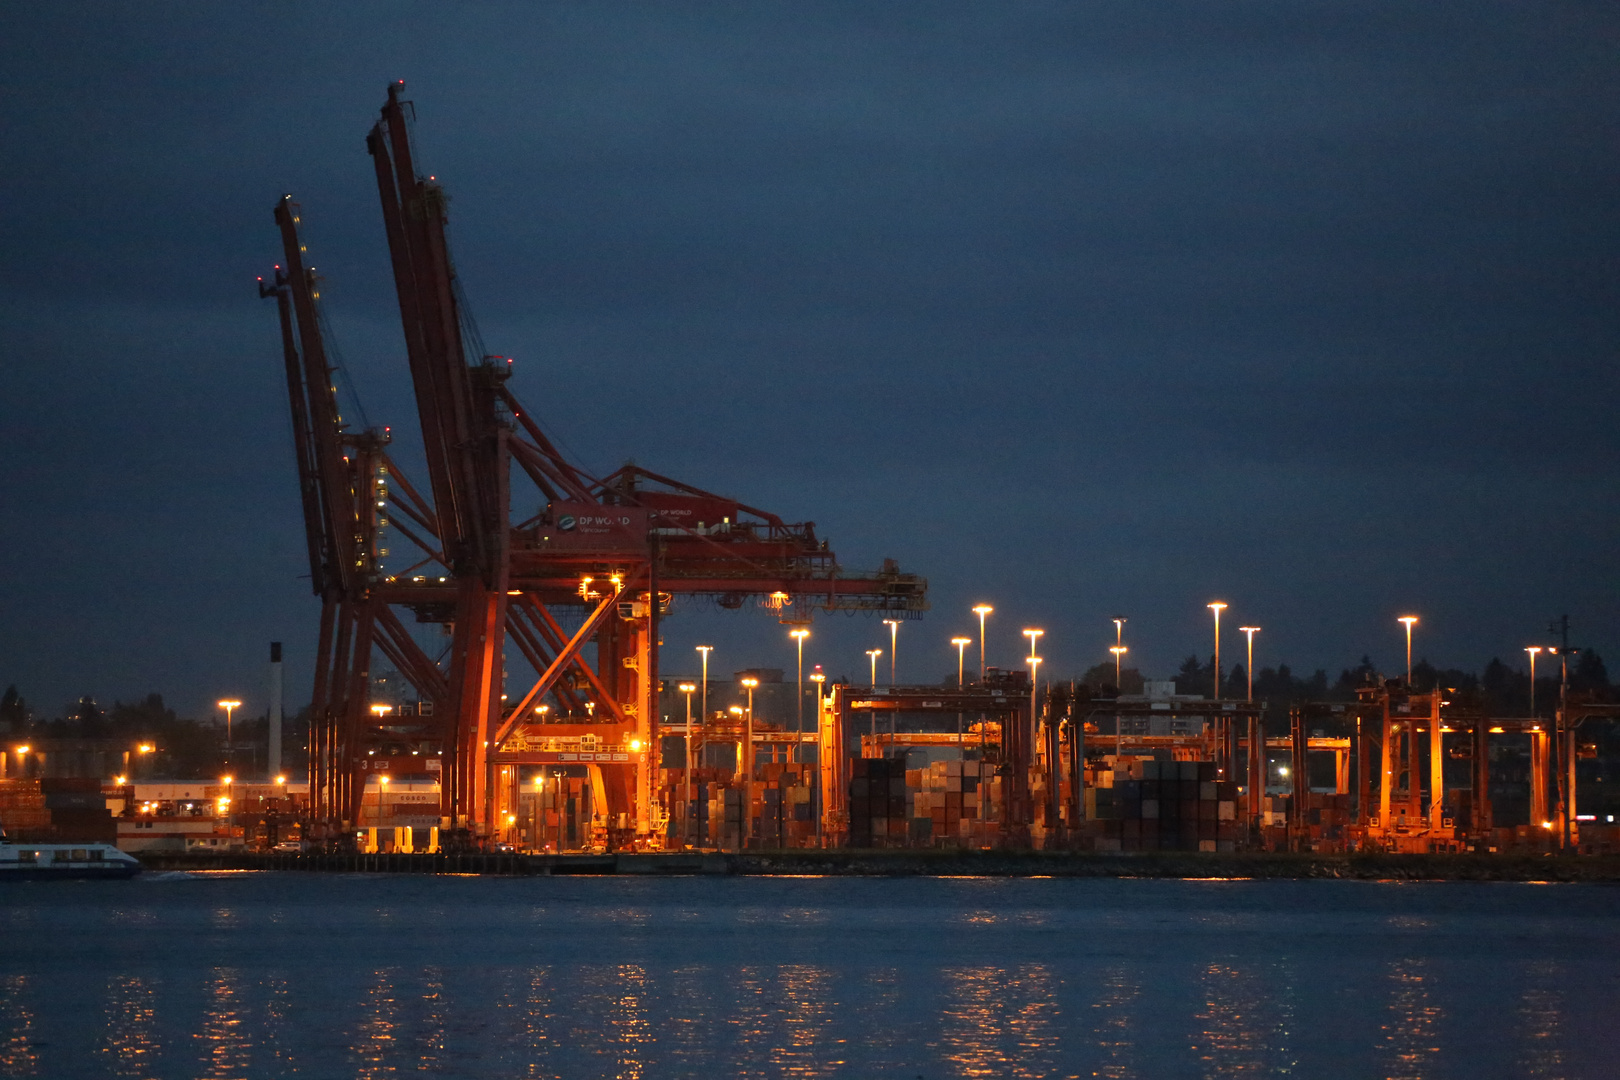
(1076, 309)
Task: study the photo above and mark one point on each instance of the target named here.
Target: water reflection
(1411, 1032)
(806, 1015)
(132, 1047)
(17, 1053)
(278, 1036)
(427, 1033)
(1541, 1021)
(1114, 1028)
(375, 1042)
(225, 1038)
(1000, 1021)
(632, 1031)
(1244, 1021)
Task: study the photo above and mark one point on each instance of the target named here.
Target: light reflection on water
(132, 1048)
(1412, 1028)
(645, 980)
(1540, 1020)
(17, 1051)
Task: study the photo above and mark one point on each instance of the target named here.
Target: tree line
(183, 748)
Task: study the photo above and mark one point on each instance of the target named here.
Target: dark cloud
(1077, 308)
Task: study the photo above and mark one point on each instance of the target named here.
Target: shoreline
(1021, 864)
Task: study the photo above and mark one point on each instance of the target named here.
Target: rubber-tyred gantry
(577, 588)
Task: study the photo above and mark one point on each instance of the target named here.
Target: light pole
(1119, 637)
(1217, 607)
(1532, 650)
(799, 635)
(705, 650)
(871, 714)
(1251, 631)
(981, 611)
(686, 779)
(1119, 652)
(961, 644)
(1408, 620)
(894, 645)
(818, 677)
(229, 707)
(749, 682)
(1034, 686)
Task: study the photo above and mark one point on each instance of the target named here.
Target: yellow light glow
(750, 682)
(230, 704)
(1496, 731)
(281, 779)
(1216, 606)
(120, 780)
(24, 749)
(383, 780)
(226, 779)
(1408, 620)
(635, 746)
(687, 688)
(801, 634)
(736, 710)
(144, 748)
(982, 610)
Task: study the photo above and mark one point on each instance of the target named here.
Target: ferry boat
(43, 862)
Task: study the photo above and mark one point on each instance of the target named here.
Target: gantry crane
(592, 570)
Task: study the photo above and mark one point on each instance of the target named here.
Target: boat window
(95, 854)
(78, 854)
(27, 856)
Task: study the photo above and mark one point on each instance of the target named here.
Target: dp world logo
(566, 523)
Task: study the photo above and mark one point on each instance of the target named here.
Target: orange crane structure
(577, 587)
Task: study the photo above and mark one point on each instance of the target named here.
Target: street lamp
(981, 611)
(686, 779)
(1532, 650)
(1408, 620)
(1032, 635)
(799, 635)
(872, 655)
(1217, 607)
(961, 644)
(1119, 652)
(894, 645)
(704, 696)
(229, 707)
(1251, 631)
(1034, 683)
(749, 682)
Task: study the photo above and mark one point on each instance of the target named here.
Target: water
(268, 975)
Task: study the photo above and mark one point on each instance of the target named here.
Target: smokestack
(274, 757)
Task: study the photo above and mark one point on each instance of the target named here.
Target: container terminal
(514, 546)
